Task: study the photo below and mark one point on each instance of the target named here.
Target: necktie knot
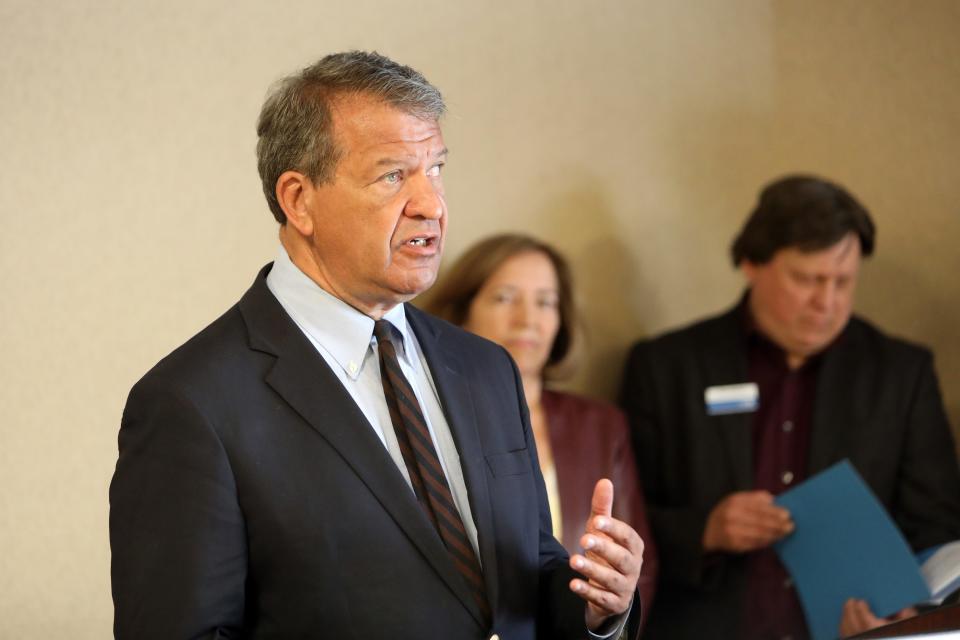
(383, 331)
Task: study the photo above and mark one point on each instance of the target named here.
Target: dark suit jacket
(877, 403)
(252, 499)
(590, 440)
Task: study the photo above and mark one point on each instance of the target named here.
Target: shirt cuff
(613, 627)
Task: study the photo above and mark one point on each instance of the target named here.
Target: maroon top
(781, 441)
(590, 440)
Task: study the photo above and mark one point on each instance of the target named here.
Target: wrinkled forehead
(844, 256)
(361, 121)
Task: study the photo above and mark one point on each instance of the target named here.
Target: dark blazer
(877, 403)
(590, 440)
(252, 499)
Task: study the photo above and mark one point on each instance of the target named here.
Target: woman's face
(518, 308)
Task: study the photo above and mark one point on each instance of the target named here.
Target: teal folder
(845, 546)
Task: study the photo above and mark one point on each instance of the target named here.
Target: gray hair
(295, 129)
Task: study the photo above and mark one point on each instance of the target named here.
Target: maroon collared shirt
(781, 442)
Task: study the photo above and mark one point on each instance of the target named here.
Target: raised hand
(611, 564)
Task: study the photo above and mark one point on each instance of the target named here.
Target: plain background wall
(634, 135)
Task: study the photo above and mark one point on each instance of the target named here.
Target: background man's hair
(803, 212)
(295, 130)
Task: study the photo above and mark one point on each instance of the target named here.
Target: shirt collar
(343, 331)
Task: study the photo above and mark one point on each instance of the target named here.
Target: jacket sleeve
(927, 504)
(179, 557)
(677, 527)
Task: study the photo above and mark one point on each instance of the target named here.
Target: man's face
(378, 225)
(802, 301)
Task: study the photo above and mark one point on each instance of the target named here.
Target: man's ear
(748, 269)
(295, 192)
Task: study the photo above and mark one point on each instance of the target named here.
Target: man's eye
(392, 178)
(435, 170)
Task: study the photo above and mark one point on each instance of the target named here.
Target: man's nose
(426, 199)
(824, 295)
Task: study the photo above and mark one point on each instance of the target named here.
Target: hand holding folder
(846, 546)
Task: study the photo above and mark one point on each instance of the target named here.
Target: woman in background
(518, 292)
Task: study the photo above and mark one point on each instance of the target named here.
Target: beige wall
(632, 134)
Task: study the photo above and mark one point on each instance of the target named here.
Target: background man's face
(802, 301)
(379, 223)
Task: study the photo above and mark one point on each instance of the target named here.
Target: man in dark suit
(733, 410)
(324, 461)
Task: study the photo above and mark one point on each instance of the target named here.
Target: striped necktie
(423, 465)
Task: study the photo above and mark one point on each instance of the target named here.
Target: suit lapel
(724, 362)
(831, 405)
(457, 403)
(306, 383)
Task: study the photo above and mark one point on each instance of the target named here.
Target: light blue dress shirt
(344, 338)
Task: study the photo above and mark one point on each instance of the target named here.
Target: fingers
(607, 589)
(603, 576)
(758, 506)
(741, 539)
(612, 541)
(857, 618)
(903, 614)
(611, 565)
(768, 522)
(602, 502)
(626, 560)
(745, 521)
(611, 562)
(605, 602)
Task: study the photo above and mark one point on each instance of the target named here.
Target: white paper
(942, 571)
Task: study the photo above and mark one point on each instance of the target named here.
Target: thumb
(602, 502)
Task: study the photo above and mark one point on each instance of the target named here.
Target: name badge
(732, 398)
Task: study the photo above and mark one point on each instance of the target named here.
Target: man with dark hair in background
(324, 461)
(815, 384)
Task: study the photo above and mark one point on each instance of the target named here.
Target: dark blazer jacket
(590, 440)
(252, 499)
(877, 403)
